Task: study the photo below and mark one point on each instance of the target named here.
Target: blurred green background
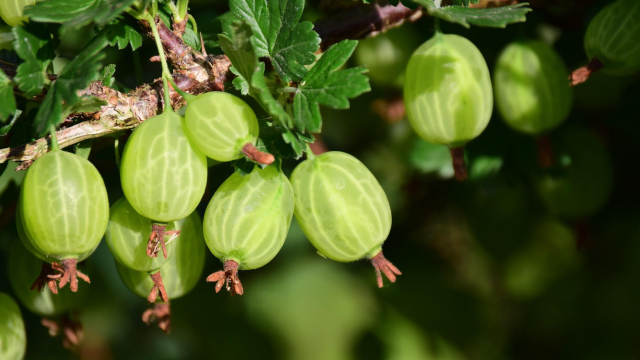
(488, 271)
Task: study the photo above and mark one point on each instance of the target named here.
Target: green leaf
(124, 32)
(106, 75)
(326, 85)
(77, 13)
(34, 45)
(243, 166)
(278, 35)
(238, 45)
(77, 75)
(464, 2)
(431, 159)
(498, 17)
(83, 148)
(7, 101)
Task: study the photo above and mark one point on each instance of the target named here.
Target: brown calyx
(158, 287)
(459, 166)
(582, 74)
(250, 151)
(161, 313)
(156, 239)
(44, 280)
(228, 276)
(72, 333)
(545, 152)
(68, 273)
(384, 266)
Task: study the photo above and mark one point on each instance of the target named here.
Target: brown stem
(194, 73)
(161, 313)
(44, 280)
(250, 151)
(228, 277)
(158, 286)
(459, 166)
(363, 21)
(68, 273)
(391, 111)
(545, 151)
(582, 74)
(384, 266)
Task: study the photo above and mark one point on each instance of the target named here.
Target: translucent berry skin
(341, 207)
(11, 11)
(128, 235)
(183, 269)
(447, 91)
(163, 176)
(23, 268)
(531, 90)
(63, 207)
(583, 185)
(220, 125)
(13, 338)
(249, 216)
(613, 37)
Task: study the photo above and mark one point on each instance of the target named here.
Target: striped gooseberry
(181, 272)
(612, 41)
(246, 223)
(11, 11)
(13, 338)
(128, 239)
(530, 83)
(583, 182)
(63, 212)
(223, 126)
(343, 210)
(163, 176)
(448, 94)
(55, 308)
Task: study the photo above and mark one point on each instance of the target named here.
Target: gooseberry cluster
(154, 234)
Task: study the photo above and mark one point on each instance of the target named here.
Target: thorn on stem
(228, 277)
(250, 151)
(459, 166)
(582, 74)
(384, 266)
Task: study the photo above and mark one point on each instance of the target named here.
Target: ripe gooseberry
(343, 210)
(531, 88)
(11, 11)
(448, 94)
(223, 126)
(163, 176)
(54, 308)
(127, 237)
(246, 223)
(612, 41)
(13, 337)
(181, 272)
(583, 183)
(63, 211)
